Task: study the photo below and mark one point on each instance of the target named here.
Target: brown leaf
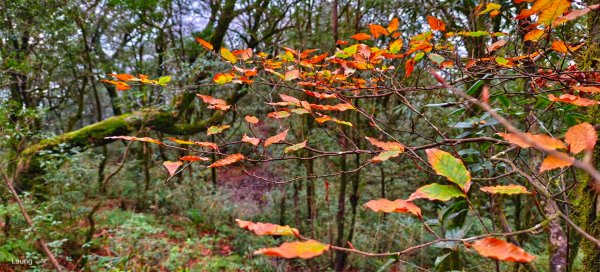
(250, 140)
(172, 166)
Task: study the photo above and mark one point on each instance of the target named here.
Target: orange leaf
(587, 89)
(123, 77)
(250, 140)
(338, 107)
(552, 162)
(319, 95)
(393, 26)
(573, 99)
(204, 43)
(500, 250)
(251, 119)
(172, 166)
(542, 139)
(210, 145)
(276, 139)
(581, 137)
(396, 206)
(386, 145)
(361, 36)
(562, 47)
(305, 250)
(377, 30)
(436, 24)
(193, 158)
(409, 66)
(228, 160)
(278, 114)
(267, 228)
(534, 35)
(215, 103)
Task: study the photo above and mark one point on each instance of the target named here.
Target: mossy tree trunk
(588, 197)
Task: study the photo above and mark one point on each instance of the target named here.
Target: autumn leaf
(395, 46)
(587, 89)
(409, 66)
(291, 75)
(377, 30)
(562, 47)
(581, 137)
(549, 10)
(505, 189)
(227, 160)
(216, 129)
(133, 138)
(553, 162)
(501, 250)
(450, 167)
(492, 8)
(544, 140)
(267, 228)
(251, 119)
(210, 145)
(338, 107)
(305, 250)
(573, 99)
(393, 26)
(396, 206)
(226, 54)
(278, 114)
(223, 78)
(250, 140)
(496, 45)
(178, 141)
(534, 35)
(386, 145)
(123, 77)
(574, 14)
(172, 166)
(436, 191)
(436, 24)
(121, 86)
(205, 44)
(276, 139)
(295, 147)
(193, 158)
(319, 95)
(386, 155)
(361, 36)
(215, 103)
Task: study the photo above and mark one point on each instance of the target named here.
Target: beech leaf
(450, 167)
(305, 250)
(501, 250)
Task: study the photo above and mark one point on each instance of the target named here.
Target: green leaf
(436, 58)
(164, 80)
(450, 167)
(436, 191)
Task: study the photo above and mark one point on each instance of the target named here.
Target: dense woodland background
(100, 204)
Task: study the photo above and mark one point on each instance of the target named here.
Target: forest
(299, 135)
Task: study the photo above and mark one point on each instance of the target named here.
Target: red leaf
(500, 250)
(276, 139)
(409, 66)
(228, 160)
